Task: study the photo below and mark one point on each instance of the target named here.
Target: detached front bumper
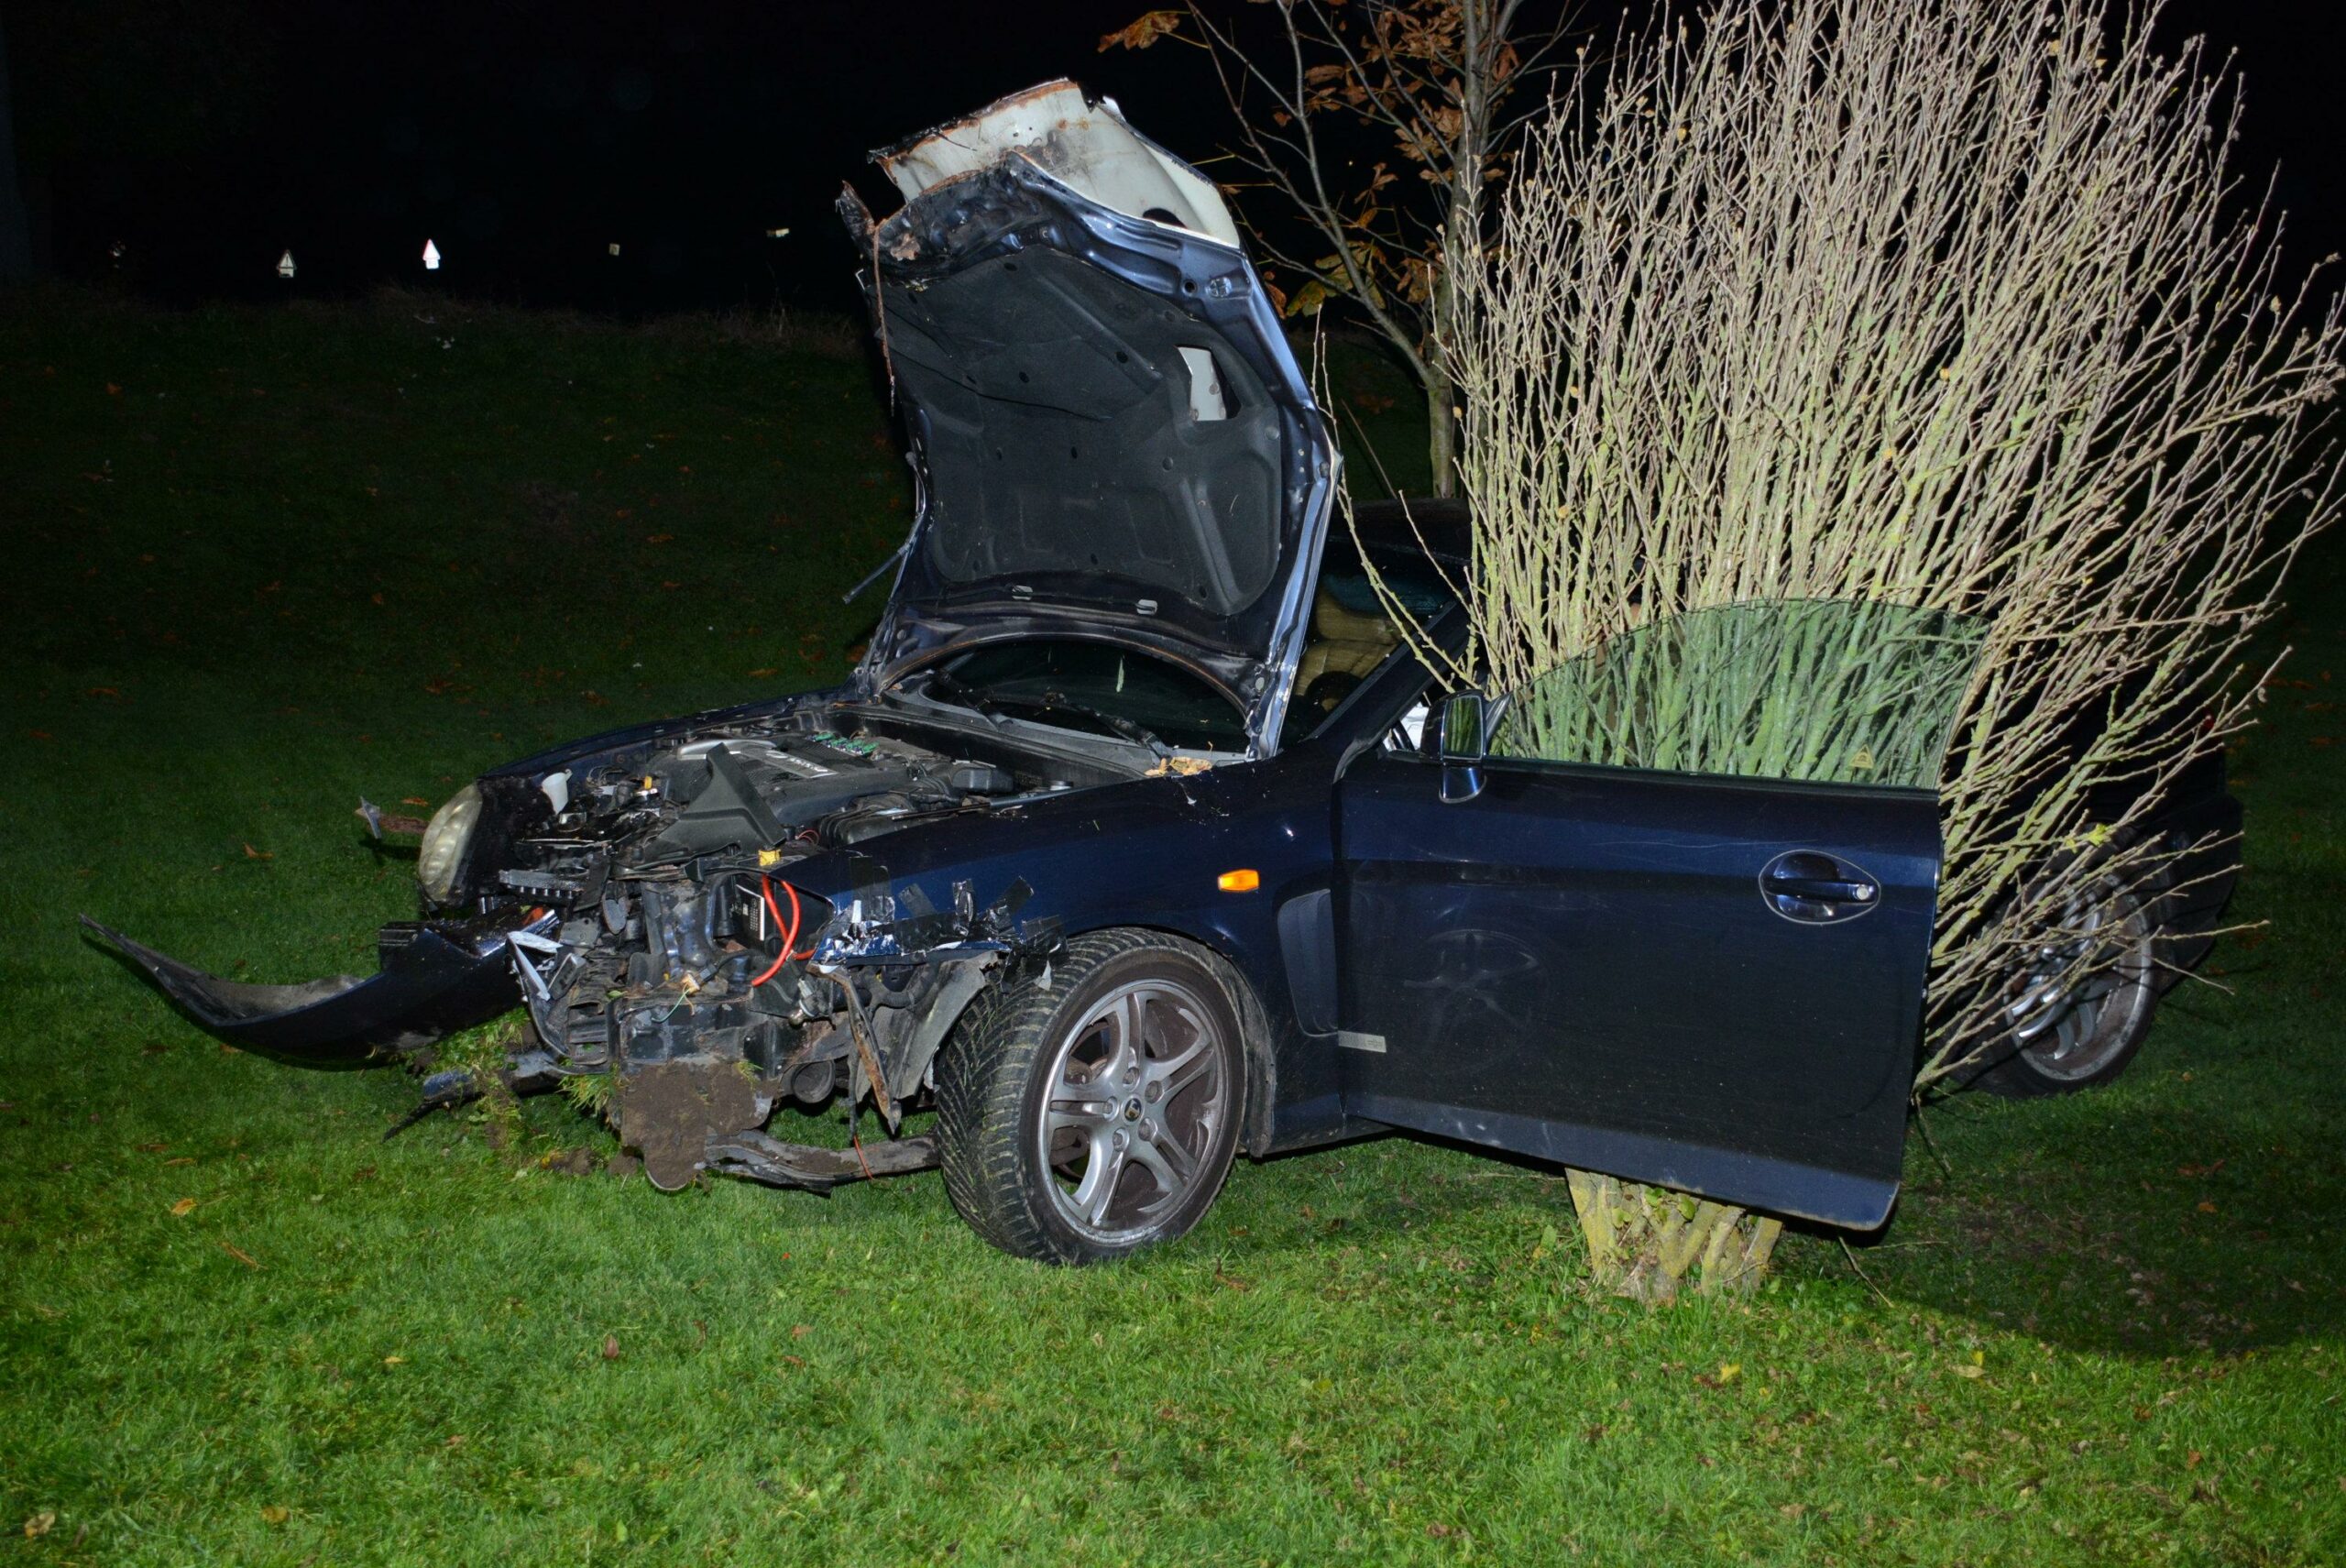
(435, 978)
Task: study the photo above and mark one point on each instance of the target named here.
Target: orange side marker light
(1243, 880)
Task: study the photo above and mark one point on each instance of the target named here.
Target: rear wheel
(1088, 1120)
(2080, 1005)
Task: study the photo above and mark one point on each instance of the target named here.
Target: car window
(1070, 683)
(1821, 690)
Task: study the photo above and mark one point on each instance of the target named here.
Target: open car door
(1666, 913)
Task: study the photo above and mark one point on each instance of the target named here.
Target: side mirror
(1465, 733)
(1469, 720)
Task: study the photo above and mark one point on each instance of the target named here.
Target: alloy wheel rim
(1137, 1094)
(2079, 996)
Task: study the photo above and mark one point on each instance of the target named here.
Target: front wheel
(1085, 1121)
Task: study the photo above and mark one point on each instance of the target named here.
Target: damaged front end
(689, 917)
(708, 1000)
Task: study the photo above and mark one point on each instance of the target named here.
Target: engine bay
(665, 946)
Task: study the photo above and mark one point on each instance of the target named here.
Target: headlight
(445, 838)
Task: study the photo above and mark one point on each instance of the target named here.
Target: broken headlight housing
(445, 838)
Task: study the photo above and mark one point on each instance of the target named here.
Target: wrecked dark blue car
(1142, 837)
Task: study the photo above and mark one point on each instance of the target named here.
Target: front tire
(1087, 1120)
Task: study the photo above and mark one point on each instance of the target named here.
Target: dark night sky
(526, 137)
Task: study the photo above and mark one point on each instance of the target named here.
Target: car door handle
(1816, 888)
(1823, 890)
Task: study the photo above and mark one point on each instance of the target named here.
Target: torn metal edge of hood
(1084, 143)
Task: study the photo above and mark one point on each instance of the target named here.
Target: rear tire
(2080, 1008)
(1087, 1120)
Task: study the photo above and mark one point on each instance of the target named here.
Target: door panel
(1584, 965)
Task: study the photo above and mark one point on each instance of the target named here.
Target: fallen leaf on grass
(183, 1160)
(610, 1347)
(2206, 1207)
(800, 1330)
(456, 1439)
(395, 1361)
(239, 1253)
(1727, 1373)
(1968, 1370)
(41, 1524)
(275, 1513)
(761, 675)
(183, 1208)
(253, 854)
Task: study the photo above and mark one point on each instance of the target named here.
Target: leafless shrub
(1948, 304)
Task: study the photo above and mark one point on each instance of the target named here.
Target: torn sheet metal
(1085, 145)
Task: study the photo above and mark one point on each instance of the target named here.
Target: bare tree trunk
(1649, 1244)
(1484, 25)
(1441, 430)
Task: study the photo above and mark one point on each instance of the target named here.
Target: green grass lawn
(260, 563)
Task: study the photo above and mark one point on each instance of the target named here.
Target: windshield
(1074, 684)
(1353, 629)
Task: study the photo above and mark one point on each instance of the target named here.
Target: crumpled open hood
(1111, 438)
